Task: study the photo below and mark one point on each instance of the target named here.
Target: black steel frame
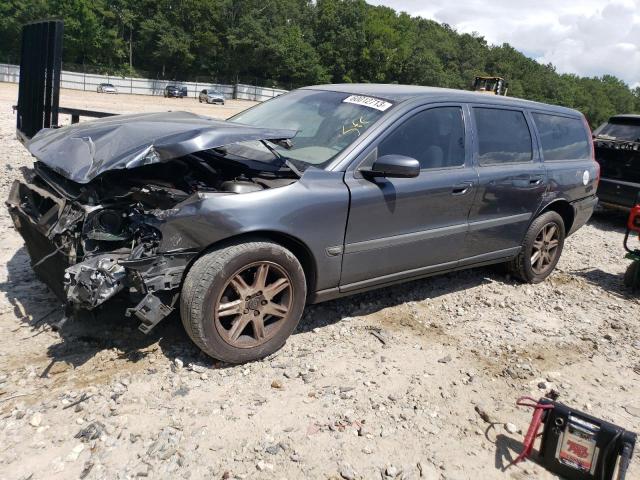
(39, 87)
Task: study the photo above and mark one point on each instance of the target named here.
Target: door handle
(461, 188)
(535, 180)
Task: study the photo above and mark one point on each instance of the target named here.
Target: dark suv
(320, 193)
(617, 145)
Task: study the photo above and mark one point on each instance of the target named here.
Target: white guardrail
(145, 86)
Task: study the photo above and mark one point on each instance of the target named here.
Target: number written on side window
(434, 137)
(562, 138)
(503, 136)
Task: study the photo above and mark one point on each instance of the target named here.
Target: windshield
(327, 122)
(629, 131)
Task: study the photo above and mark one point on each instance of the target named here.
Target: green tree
(292, 43)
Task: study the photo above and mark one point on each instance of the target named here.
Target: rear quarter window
(503, 136)
(562, 138)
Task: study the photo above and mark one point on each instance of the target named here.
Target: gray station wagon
(320, 193)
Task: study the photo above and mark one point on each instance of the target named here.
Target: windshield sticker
(370, 102)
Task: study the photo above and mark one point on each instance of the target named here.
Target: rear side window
(434, 137)
(562, 138)
(503, 136)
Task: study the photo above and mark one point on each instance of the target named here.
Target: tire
(210, 287)
(632, 276)
(199, 100)
(522, 267)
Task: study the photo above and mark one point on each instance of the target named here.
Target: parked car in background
(323, 192)
(617, 147)
(106, 88)
(211, 96)
(176, 91)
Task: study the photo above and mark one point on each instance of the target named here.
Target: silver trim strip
(406, 238)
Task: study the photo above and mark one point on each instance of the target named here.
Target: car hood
(82, 151)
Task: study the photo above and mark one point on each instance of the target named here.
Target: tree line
(290, 43)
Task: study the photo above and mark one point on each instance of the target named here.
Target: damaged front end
(87, 254)
(91, 210)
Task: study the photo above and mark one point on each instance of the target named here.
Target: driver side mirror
(393, 166)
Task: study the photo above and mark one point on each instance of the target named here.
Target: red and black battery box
(578, 446)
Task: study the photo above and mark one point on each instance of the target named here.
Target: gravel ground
(381, 385)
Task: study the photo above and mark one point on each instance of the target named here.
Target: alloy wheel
(254, 304)
(545, 248)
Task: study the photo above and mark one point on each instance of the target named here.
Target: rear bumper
(582, 211)
(618, 192)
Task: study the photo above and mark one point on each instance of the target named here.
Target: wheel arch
(296, 246)
(563, 208)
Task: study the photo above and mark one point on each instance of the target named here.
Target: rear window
(503, 136)
(562, 138)
(621, 129)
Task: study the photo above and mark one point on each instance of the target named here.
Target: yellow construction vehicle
(490, 85)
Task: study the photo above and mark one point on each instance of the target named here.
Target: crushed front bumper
(48, 260)
(51, 227)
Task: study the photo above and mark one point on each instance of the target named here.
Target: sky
(585, 37)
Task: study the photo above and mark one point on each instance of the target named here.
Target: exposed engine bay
(90, 241)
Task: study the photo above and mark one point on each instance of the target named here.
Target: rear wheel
(541, 248)
(241, 302)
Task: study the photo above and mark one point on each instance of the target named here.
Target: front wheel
(241, 302)
(541, 248)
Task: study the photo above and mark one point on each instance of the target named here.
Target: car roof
(401, 93)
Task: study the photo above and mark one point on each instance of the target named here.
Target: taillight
(593, 150)
(634, 219)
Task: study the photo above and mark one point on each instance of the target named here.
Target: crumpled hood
(82, 151)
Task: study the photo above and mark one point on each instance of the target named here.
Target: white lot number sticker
(368, 102)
